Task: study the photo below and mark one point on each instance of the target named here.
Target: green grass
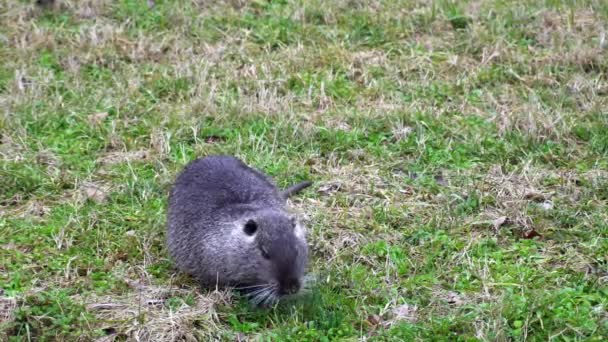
(459, 152)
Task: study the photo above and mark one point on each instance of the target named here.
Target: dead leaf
(22, 81)
(330, 188)
(94, 193)
(530, 234)
(547, 205)
(407, 191)
(454, 298)
(97, 118)
(155, 302)
(534, 196)
(401, 132)
(341, 126)
(405, 312)
(499, 222)
(212, 139)
(373, 320)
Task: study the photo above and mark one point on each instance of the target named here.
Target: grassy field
(459, 151)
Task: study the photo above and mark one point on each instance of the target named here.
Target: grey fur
(212, 201)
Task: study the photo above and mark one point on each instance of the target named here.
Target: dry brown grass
(145, 315)
(7, 312)
(444, 146)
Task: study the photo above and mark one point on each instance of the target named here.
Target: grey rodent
(227, 226)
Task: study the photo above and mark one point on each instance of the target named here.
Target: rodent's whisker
(272, 294)
(260, 289)
(265, 296)
(271, 297)
(251, 287)
(260, 297)
(259, 292)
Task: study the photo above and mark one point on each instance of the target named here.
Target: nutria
(228, 227)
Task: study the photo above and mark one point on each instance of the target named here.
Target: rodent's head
(277, 254)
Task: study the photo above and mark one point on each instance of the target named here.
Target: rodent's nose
(290, 286)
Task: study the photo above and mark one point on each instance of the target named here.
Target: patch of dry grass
(147, 315)
(439, 137)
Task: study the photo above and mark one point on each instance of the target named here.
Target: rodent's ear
(250, 227)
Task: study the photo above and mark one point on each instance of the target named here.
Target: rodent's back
(215, 183)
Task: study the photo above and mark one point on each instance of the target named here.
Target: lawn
(458, 149)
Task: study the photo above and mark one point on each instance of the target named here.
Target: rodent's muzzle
(289, 287)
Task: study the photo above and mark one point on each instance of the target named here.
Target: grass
(459, 152)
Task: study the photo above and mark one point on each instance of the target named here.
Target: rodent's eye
(265, 253)
(250, 227)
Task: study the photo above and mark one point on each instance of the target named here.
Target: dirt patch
(97, 118)
(94, 192)
(126, 156)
